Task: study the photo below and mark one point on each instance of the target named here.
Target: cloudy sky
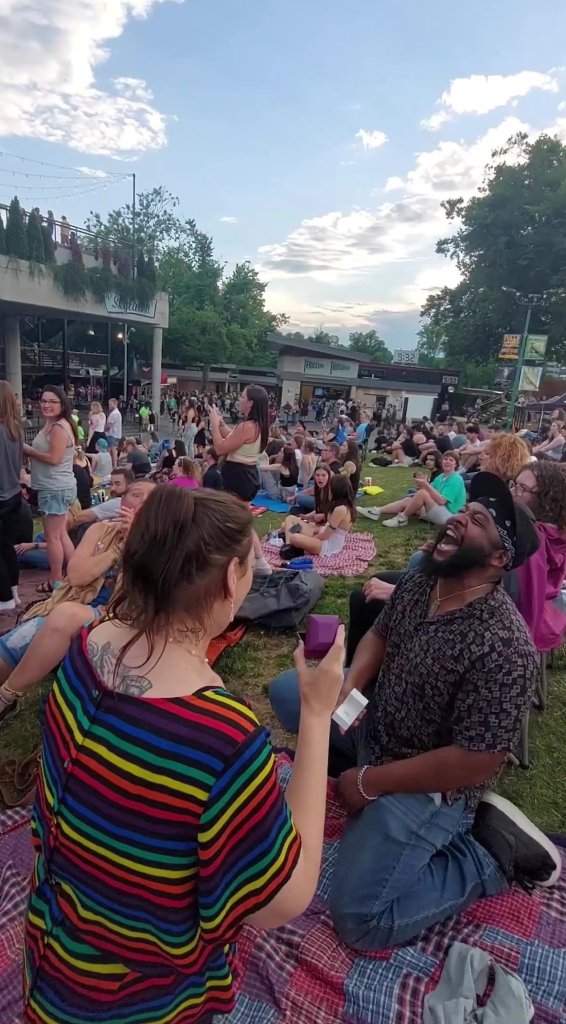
(316, 138)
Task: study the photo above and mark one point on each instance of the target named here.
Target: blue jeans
(405, 862)
(305, 501)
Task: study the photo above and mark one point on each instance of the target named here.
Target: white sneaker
(369, 513)
(399, 520)
(7, 606)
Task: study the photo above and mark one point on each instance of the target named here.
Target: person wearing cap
(101, 463)
(449, 669)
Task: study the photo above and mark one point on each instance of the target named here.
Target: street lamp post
(521, 357)
(126, 365)
(531, 302)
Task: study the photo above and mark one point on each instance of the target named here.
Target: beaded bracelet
(370, 799)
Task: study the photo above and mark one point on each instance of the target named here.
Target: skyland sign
(113, 305)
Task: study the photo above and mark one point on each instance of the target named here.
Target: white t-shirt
(114, 423)
(108, 509)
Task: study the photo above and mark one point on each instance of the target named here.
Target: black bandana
(504, 526)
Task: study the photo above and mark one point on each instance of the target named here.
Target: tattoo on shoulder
(103, 657)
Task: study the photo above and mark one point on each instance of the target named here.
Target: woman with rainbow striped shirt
(159, 824)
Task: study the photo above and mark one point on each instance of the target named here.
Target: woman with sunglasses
(51, 453)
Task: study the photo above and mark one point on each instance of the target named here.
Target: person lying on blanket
(454, 670)
(37, 645)
(329, 538)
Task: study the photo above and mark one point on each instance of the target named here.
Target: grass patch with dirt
(247, 668)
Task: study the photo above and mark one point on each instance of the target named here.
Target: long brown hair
(175, 561)
(259, 412)
(342, 494)
(66, 407)
(10, 412)
(323, 495)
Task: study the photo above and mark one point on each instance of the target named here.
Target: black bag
(282, 600)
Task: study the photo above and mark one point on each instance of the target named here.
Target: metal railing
(61, 232)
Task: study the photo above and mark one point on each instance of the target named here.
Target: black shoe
(287, 552)
(524, 853)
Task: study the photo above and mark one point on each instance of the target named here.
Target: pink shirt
(184, 481)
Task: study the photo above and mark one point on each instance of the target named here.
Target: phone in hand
(320, 635)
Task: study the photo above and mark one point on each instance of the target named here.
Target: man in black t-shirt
(442, 440)
(138, 459)
(212, 477)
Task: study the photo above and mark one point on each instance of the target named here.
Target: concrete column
(13, 354)
(156, 371)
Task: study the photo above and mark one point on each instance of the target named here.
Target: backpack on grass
(282, 600)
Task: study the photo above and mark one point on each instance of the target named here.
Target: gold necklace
(438, 599)
(188, 650)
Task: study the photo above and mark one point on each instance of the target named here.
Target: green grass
(246, 669)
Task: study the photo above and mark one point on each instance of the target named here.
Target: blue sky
(328, 133)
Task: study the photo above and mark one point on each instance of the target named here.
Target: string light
(62, 167)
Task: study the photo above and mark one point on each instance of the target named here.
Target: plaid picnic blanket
(302, 974)
(358, 551)
(16, 859)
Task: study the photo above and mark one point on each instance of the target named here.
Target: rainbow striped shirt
(159, 827)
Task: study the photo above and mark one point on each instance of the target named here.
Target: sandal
(44, 588)
(8, 708)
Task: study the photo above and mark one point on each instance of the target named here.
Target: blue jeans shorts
(56, 503)
(113, 442)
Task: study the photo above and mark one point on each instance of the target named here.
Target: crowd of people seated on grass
(146, 752)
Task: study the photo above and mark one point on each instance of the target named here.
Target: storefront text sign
(330, 368)
(113, 305)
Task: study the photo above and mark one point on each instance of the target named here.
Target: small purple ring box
(320, 634)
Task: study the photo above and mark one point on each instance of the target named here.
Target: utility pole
(133, 225)
(126, 366)
(520, 360)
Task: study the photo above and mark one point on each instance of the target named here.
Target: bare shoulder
(103, 651)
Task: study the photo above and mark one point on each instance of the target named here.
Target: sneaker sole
(510, 811)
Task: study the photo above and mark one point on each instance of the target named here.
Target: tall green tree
(370, 344)
(35, 239)
(2, 238)
(158, 226)
(16, 239)
(213, 317)
(242, 305)
(511, 236)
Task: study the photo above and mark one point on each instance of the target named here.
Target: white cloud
(328, 247)
(336, 244)
(92, 172)
(228, 220)
(371, 140)
(133, 88)
(384, 255)
(50, 51)
(456, 168)
(478, 94)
